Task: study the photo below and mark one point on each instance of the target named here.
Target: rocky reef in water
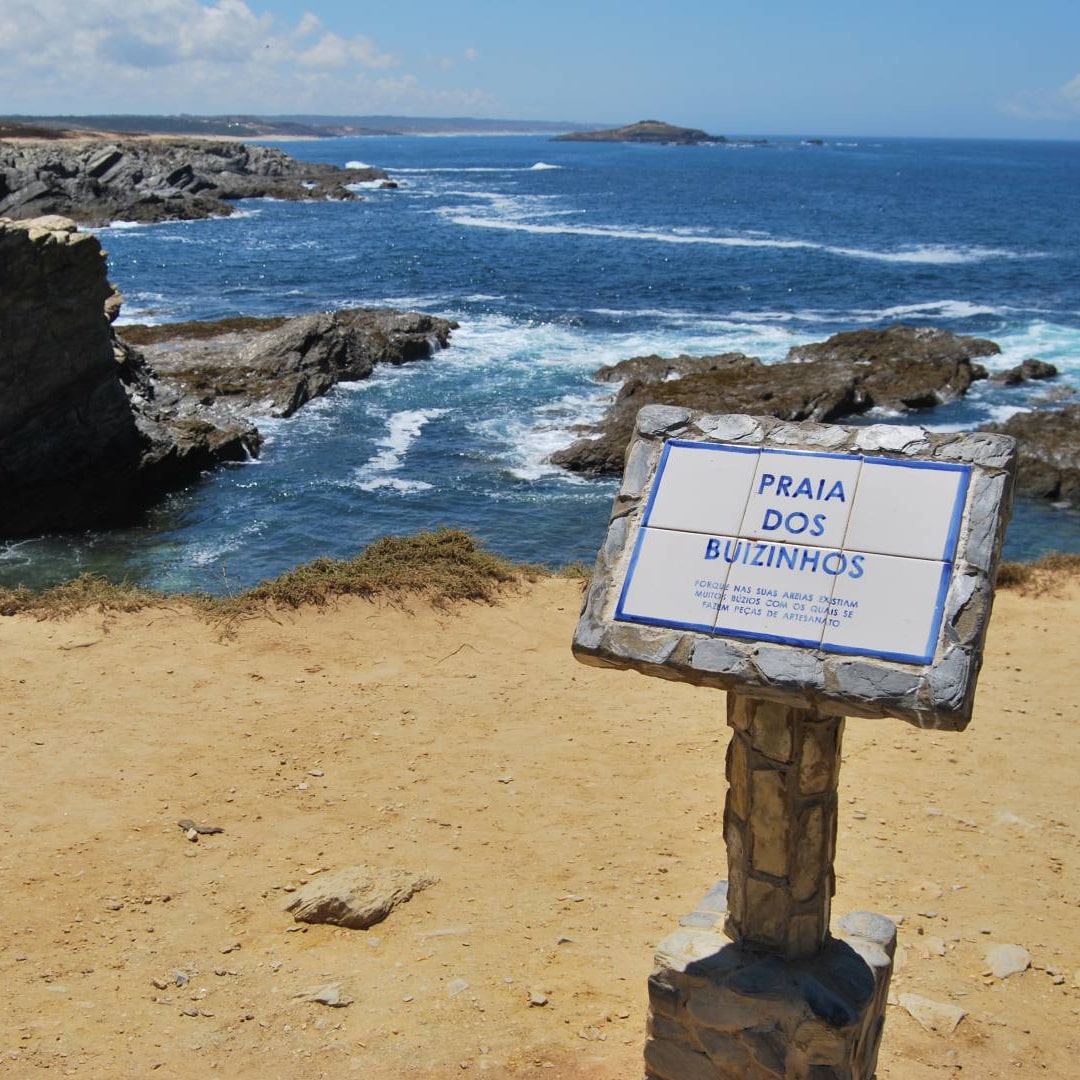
(94, 182)
(899, 368)
(94, 428)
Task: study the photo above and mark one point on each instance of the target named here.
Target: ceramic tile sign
(837, 564)
(843, 552)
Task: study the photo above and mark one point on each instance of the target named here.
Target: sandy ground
(571, 816)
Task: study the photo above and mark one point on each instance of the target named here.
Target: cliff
(93, 428)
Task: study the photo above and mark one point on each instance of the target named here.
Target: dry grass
(1044, 575)
(443, 568)
(142, 334)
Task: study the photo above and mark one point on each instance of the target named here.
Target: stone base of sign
(723, 1011)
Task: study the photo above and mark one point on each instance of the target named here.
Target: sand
(571, 816)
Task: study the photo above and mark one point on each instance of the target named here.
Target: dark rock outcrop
(1026, 371)
(823, 390)
(645, 131)
(69, 444)
(274, 369)
(1049, 444)
(655, 368)
(94, 428)
(897, 344)
(95, 182)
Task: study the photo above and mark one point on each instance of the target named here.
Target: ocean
(557, 258)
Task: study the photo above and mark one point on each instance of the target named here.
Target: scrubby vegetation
(442, 567)
(1039, 576)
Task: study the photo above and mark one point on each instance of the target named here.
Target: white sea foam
(402, 430)
(357, 165)
(928, 254)
(543, 166)
(206, 554)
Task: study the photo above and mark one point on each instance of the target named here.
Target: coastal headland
(571, 815)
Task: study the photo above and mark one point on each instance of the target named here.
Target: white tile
(910, 509)
(801, 497)
(784, 597)
(887, 606)
(675, 579)
(702, 487)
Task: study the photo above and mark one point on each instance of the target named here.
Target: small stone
(357, 898)
(302, 787)
(114, 905)
(316, 772)
(192, 835)
(935, 946)
(329, 994)
(181, 978)
(1057, 980)
(537, 999)
(934, 1016)
(458, 986)
(158, 984)
(189, 1012)
(1006, 960)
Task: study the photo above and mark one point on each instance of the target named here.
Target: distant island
(645, 131)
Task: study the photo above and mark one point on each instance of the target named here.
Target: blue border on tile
(774, 639)
(639, 540)
(671, 624)
(812, 453)
(692, 444)
(949, 552)
(932, 637)
(621, 616)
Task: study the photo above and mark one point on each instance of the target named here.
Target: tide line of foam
(927, 254)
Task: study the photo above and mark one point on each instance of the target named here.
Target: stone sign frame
(935, 692)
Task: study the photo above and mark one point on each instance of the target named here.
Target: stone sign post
(814, 572)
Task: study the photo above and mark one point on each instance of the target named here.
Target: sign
(847, 569)
(843, 552)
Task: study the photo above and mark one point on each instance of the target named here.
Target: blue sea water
(557, 258)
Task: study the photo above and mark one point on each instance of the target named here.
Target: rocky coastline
(95, 182)
(98, 421)
(94, 428)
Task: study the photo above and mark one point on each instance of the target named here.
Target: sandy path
(552, 801)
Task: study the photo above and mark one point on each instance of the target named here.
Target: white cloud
(470, 54)
(1060, 104)
(334, 51)
(84, 56)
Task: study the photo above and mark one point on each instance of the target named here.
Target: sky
(992, 68)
